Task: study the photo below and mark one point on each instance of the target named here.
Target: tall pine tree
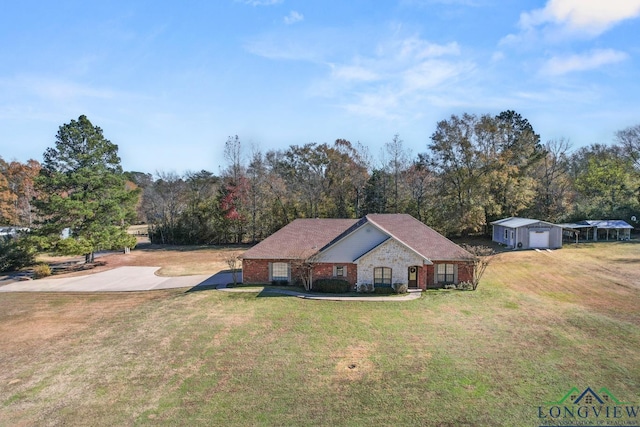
(83, 189)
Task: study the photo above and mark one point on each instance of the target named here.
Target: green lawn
(539, 324)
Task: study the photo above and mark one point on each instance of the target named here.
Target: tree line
(475, 169)
(478, 168)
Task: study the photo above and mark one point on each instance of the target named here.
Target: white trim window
(446, 273)
(382, 276)
(340, 271)
(279, 271)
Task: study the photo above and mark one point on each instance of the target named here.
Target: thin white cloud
(413, 48)
(293, 17)
(426, 3)
(353, 73)
(497, 56)
(400, 74)
(291, 49)
(429, 75)
(57, 89)
(260, 2)
(379, 105)
(585, 17)
(589, 61)
(397, 73)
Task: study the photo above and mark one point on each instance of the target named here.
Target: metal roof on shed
(515, 222)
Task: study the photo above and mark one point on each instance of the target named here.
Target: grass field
(539, 324)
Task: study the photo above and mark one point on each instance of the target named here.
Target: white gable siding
(389, 254)
(354, 245)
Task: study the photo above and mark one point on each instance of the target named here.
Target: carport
(597, 229)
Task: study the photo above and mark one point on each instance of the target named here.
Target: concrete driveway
(116, 280)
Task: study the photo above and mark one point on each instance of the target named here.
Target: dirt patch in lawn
(354, 363)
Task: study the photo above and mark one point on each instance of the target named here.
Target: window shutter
(455, 273)
(270, 271)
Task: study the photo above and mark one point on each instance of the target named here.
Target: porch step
(414, 290)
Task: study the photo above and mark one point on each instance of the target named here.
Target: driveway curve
(117, 280)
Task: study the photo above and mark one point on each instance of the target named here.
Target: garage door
(539, 239)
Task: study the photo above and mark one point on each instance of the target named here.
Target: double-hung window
(280, 271)
(382, 276)
(445, 273)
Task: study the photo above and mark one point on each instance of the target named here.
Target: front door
(413, 277)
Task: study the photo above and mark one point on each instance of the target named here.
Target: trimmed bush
(41, 270)
(280, 282)
(465, 286)
(400, 288)
(364, 287)
(331, 286)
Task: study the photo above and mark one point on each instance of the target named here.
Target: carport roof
(611, 224)
(608, 223)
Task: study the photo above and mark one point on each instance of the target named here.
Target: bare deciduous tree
(302, 266)
(233, 262)
(482, 257)
(629, 138)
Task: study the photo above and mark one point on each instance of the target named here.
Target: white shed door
(539, 239)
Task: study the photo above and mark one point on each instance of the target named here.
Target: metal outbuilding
(526, 233)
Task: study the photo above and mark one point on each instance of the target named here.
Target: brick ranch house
(379, 249)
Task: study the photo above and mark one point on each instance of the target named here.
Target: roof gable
(393, 242)
(352, 244)
(419, 237)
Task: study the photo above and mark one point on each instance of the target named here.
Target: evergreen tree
(83, 189)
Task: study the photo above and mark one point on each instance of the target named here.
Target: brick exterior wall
(429, 271)
(325, 271)
(465, 273)
(257, 270)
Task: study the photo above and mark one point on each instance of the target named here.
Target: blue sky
(169, 83)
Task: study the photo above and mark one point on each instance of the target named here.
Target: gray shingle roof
(299, 239)
(423, 239)
(305, 237)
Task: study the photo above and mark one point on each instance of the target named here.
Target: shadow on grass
(627, 260)
(276, 293)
